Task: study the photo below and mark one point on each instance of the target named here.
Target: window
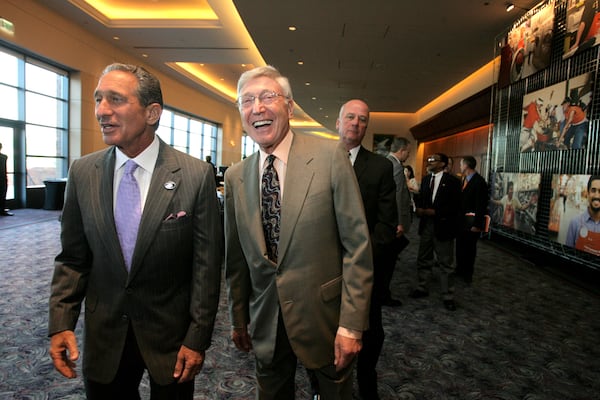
(36, 104)
(248, 146)
(188, 134)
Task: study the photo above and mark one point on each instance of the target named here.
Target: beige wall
(49, 35)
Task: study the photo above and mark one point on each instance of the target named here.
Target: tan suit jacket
(324, 273)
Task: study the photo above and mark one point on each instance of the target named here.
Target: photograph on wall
(583, 26)
(527, 47)
(514, 200)
(382, 143)
(575, 212)
(555, 117)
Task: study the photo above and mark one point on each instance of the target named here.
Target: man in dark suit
(298, 258)
(474, 202)
(438, 207)
(399, 152)
(378, 191)
(3, 184)
(151, 299)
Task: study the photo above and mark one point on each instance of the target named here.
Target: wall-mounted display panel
(574, 211)
(514, 200)
(528, 45)
(555, 117)
(583, 26)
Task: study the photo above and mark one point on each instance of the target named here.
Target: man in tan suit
(152, 308)
(306, 295)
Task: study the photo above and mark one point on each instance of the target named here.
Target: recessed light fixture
(314, 98)
(145, 55)
(300, 62)
(116, 38)
(291, 28)
(307, 84)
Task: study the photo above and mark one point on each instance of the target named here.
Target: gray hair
(399, 143)
(268, 72)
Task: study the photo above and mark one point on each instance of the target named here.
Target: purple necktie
(128, 211)
(271, 208)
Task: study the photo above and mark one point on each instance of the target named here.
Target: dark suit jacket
(474, 199)
(378, 191)
(446, 205)
(324, 273)
(170, 297)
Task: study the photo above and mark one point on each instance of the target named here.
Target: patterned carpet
(518, 333)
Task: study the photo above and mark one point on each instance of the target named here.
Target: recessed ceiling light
(116, 38)
(314, 98)
(307, 84)
(300, 62)
(292, 28)
(145, 55)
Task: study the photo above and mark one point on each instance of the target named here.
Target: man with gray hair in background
(399, 152)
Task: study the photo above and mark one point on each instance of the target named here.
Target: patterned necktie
(271, 208)
(128, 212)
(432, 186)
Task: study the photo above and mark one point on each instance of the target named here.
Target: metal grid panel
(505, 155)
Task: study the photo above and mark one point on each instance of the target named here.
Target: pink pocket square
(180, 214)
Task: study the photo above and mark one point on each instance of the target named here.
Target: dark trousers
(126, 384)
(366, 373)
(3, 189)
(397, 247)
(466, 250)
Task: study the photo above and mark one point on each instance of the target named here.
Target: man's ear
(153, 112)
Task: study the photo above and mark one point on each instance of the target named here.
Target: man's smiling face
(266, 122)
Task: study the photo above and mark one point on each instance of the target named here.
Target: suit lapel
(298, 177)
(103, 210)
(166, 170)
(361, 162)
(249, 200)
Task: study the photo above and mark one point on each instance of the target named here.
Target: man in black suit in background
(438, 207)
(3, 184)
(474, 201)
(378, 191)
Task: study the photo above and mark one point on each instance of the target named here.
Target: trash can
(55, 194)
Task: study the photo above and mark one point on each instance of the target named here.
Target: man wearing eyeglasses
(298, 258)
(438, 207)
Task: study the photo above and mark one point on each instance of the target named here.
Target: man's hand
(241, 338)
(64, 353)
(345, 349)
(399, 231)
(188, 365)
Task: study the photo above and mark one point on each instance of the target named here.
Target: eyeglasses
(265, 98)
(432, 159)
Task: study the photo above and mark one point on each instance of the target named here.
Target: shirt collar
(281, 152)
(146, 159)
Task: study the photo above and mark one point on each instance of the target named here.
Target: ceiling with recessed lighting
(397, 55)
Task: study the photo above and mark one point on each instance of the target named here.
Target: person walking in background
(298, 259)
(142, 245)
(399, 152)
(3, 184)
(438, 208)
(474, 201)
(378, 191)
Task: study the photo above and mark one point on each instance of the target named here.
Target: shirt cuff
(350, 333)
